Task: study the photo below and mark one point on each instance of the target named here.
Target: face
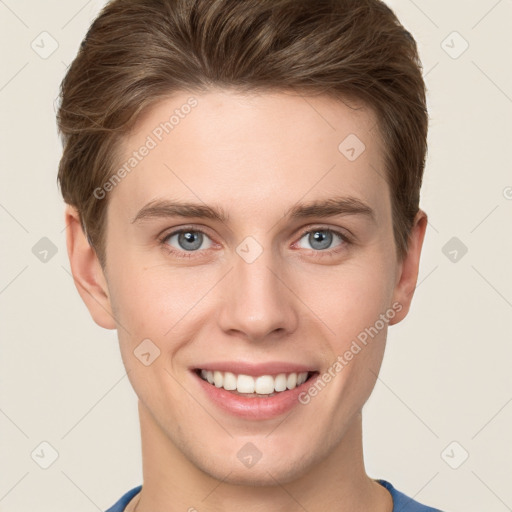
(284, 270)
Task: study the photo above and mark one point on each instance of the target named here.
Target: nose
(258, 300)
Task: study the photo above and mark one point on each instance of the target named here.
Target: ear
(408, 270)
(87, 272)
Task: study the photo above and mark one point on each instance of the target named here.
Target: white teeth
(301, 378)
(291, 381)
(245, 384)
(280, 382)
(229, 381)
(218, 379)
(262, 385)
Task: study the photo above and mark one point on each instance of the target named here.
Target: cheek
(351, 299)
(165, 305)
(152, 300)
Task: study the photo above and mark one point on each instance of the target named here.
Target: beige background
(446, 373)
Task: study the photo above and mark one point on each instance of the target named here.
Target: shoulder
(401, 502)
(120, 505)
(404, 503)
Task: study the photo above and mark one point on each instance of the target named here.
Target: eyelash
(318, 253)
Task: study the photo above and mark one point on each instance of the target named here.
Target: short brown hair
(138, 52)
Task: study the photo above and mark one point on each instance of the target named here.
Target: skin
(255, 156)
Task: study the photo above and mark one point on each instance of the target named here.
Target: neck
(337, 483)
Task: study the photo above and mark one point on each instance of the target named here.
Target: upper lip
(255, 369)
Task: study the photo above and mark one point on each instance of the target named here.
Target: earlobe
(408, 275)
(87, 272)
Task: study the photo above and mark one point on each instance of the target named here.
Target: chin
(263, 477)
(263, 473)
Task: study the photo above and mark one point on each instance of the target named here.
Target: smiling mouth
(261, 386)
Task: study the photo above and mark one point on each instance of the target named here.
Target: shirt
(401, 502)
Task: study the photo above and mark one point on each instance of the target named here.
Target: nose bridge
(257, 302)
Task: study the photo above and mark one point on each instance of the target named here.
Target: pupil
(190, 237)
(322, 237)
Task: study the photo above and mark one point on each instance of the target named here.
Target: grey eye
(188, 240)
(320, 239)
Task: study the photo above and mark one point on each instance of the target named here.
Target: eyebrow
(330, 207)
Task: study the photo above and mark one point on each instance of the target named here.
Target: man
(242, 181)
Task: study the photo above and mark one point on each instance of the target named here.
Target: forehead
(268, 148)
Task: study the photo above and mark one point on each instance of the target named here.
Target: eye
(321, 239)
(186, 240)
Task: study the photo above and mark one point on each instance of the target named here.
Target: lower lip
(263, 408)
